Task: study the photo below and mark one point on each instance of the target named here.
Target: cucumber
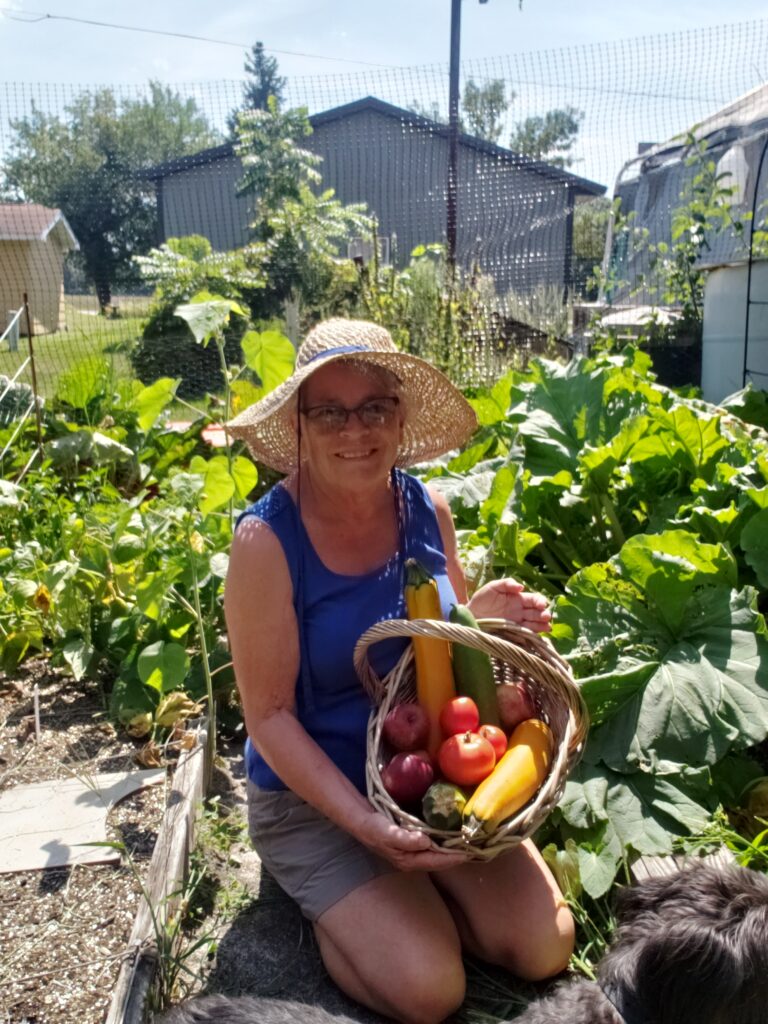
(472, 670)
(443, 806)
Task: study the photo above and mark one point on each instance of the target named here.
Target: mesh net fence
(120, 204)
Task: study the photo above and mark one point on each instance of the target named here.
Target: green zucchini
(443, 805)
(472, 670)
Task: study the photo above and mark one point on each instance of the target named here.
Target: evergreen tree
(263, 82)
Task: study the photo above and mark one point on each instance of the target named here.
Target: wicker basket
(517, 654)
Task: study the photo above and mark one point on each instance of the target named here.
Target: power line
(39, 16)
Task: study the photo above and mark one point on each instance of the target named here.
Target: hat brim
(438, 417)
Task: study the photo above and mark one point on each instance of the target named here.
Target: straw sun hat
(437, 416)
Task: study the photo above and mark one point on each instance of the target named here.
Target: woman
(313, 564)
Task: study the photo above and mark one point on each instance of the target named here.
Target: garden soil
(65, 929)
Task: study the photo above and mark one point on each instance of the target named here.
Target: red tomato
(466, 759)
(459, 715)
(496, 737)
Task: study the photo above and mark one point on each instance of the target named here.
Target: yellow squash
(514, 780)
(434, 672)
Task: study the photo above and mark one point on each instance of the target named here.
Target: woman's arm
(263, 637)
(502, 599)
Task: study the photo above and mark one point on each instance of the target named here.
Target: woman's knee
(429, 993)
(548, 950)
(537, 952)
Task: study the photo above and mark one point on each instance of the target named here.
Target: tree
(590, 228)
(304, 228)
(275, 167)
(430, 110)
(87, 164)
(484, 107)
(548, 138)
(264, 82)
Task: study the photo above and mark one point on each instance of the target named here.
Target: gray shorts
(310, 858)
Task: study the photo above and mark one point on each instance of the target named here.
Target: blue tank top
(333, 610)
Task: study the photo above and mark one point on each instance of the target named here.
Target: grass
(87, 334)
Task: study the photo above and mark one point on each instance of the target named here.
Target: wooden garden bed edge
(167, 872)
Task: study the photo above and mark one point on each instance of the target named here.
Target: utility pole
(453, 133)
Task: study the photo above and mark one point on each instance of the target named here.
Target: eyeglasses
(330, 419)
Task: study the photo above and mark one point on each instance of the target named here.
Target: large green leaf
(151, 400)
(646, 811)
(687, 699)
(562, 408)
(219, 486)
(207, 315)
(78, 654)
(270, 355)
(468, 491)
(668, 566)
(163, 666)
(245, 475)
(699, 435)
(87, 380)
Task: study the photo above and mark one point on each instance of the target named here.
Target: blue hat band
(338, 351)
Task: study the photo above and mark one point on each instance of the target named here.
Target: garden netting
(120, 204)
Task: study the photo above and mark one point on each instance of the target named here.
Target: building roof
(371, 103)
(31, 222)
(745, 117)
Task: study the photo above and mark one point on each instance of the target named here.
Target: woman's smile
(356, 455)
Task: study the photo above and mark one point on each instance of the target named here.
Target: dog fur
(689, 947)
(248, 1010)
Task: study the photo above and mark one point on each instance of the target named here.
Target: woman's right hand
(407, 849)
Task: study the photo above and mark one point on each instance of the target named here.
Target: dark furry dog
(248, 1010)
(689, 948)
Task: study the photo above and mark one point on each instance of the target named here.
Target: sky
(552, 52)
(394, 33)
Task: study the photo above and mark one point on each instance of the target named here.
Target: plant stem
(613, 519)
(203, 644)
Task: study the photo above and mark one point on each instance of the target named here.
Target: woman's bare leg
(392, 945)
(510, 911)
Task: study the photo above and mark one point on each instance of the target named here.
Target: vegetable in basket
(434, 673)
(515, 704)
(459, 715)
(473, 671)
(408, 776)
(515, 779)
(442, 806)
(406, 727)
(466, 759)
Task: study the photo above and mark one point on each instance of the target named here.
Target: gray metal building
(515, 214)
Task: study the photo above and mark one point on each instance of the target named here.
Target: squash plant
(644, 514)
(113, 552)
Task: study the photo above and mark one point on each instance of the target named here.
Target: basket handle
(523, 660)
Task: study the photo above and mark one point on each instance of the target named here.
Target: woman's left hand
(508, 599)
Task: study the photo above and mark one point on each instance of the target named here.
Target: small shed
(34, 240)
